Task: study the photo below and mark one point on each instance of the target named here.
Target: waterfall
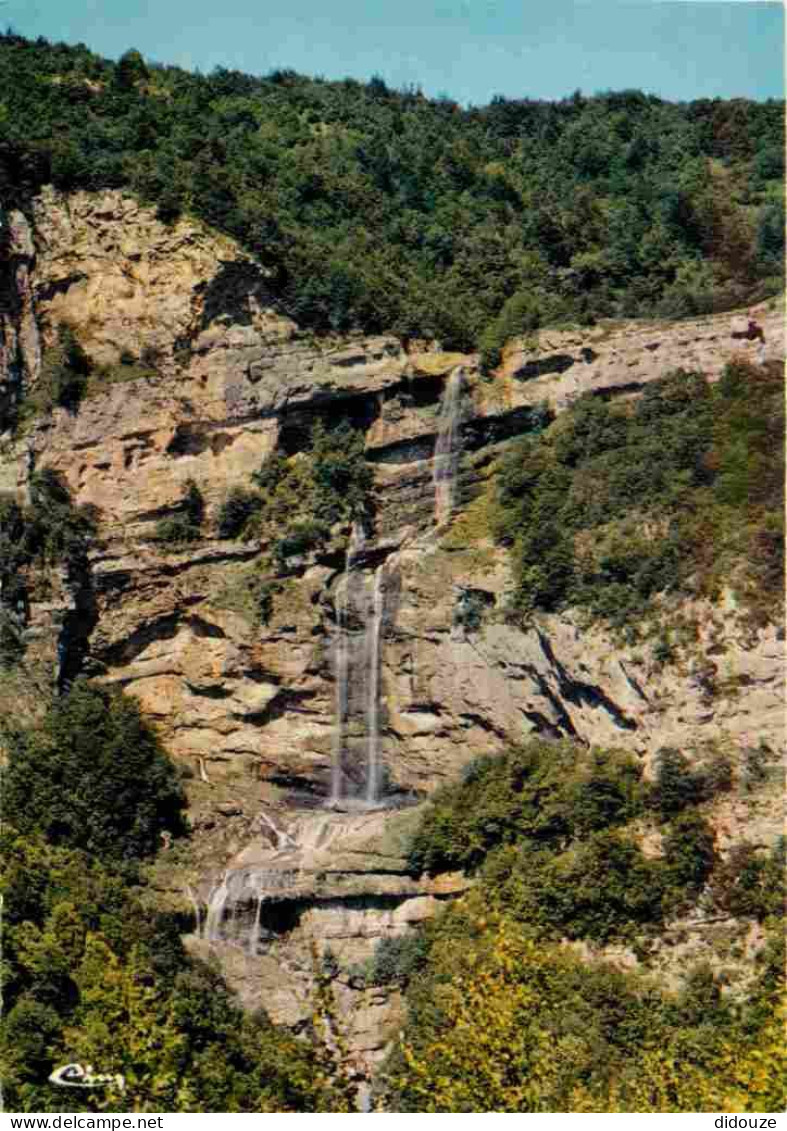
(373, 692)
(283, 839)
(197, 917)
(341, 671)
(242, 892)
(254, 930)
(341, 662)
(445, 460)
(211, 930)
(357, 654)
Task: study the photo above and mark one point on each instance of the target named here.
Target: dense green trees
(388, 210)
(501, 1021)
(614, 505)
(93, 776)
(90, 972)
(504, 1016)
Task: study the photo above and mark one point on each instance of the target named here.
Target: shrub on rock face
(676, 785)
(186, 525)
(235, 512)
(689, 853)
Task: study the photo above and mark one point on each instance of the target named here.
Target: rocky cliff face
(394, 654)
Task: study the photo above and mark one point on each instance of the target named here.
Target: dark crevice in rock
(46, 291)
(613, 391)
(260, 675)
(484, 724)
(417, 449)
(206, 556)
(359, 409)
(633, 683)
(209, 692)
(202, 627)
(579, 693)
(482, 431)
(126, 651)
(297, 785)
(555, 363)
(117, 579)
(564, 722)
(544, 728)
(287, 700)
(78, 622)
(187, 440)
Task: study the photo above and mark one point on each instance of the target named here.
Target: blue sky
(467, 49)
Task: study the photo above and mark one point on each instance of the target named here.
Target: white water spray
(254, 930)
(217, 901)
(196, 908)
(341, 663)
(373, 691)
(445, 460)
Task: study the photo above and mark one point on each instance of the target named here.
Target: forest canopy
(386, 210)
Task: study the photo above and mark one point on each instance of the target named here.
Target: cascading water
(447, 448)
(341, 670)
(357, 655)
(240, 892)
(373, 700)
(211, 929)
(341, 650)
(196, 908)
(254, 930)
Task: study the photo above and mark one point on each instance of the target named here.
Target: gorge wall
(387, 663)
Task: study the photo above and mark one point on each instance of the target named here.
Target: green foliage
(752, 884)
(91, 975)
(499, 1022)
(301, 537)
(544, 793)
(90, 972)
(554, 834)
(249, 593)
(677, 785)
(599, 888)
(409, 214)
(185, 526)
(614, 506)
(398, 959)
(689, 854)
(130, 70)
(93, 776)
(342, 478)
(50, 531)
(551, 831)
(63, 382)
(235, 512)
(300, 499)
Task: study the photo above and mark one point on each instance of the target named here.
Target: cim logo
(79, 1076)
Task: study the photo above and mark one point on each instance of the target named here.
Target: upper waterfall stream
(448, 446)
